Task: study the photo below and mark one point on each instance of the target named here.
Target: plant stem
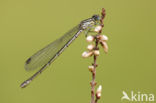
(93, 83)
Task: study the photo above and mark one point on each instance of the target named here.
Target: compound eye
(96, 17)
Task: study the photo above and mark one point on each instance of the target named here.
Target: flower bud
(97, 28)
(91, 68)
(90, 38)
(96, 52)
(105, 46)
(90, 47)
(103, 37)
(87, 54)
(98, 92)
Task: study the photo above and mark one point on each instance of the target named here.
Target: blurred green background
(26, 26)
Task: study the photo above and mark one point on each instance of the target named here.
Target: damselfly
(43, 58)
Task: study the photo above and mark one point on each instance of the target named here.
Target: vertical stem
(93, 83)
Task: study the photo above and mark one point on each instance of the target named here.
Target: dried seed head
(91, 68)
(87, 54)
(98, 92)
(103, 37)
(105, 46)
(97, 28)
(96, 52)
(90, 47)
(90, 38)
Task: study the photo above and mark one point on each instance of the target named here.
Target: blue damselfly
(43, 58)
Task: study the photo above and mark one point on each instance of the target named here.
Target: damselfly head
(89, 23)
(96, 17)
